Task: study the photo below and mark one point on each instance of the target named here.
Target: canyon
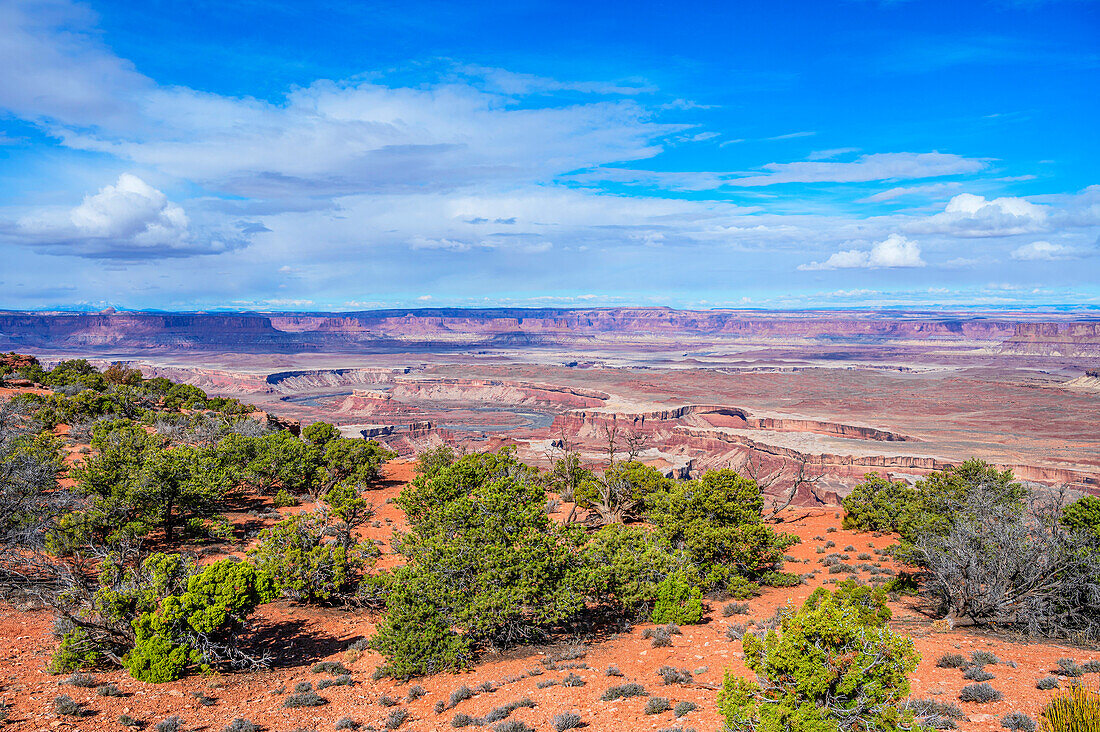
(835, 394)
(806, 403)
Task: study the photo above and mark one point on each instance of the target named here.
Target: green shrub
(173, 637)
(878, 504)
(305, 564)
(678, 601)
(717, 519)
(833, 665)
(415, 636)
(282, 499)
(870, 602)
(1083, 517)
(619, 495)
(742, 588)
(624, 565)
(485, 566)
(780, 579)
(137, 482)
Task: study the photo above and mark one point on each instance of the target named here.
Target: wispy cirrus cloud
(877, 166)
(831, 153)
(931, 189)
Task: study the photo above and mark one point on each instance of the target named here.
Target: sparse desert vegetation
(150, 544)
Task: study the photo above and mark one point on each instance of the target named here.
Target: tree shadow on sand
(289, 643)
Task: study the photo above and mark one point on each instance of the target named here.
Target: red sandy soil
(299, 636)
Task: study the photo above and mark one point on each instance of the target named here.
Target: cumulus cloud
(1042, 251)
(974, 216)
(878, 166)
(894, 251)
(127, 220)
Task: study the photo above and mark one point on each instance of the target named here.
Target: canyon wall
(1019, 332)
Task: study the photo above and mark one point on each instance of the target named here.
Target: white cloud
(55, 69)
(894, 251)
(831, 153)
(932, 189)
(131, 208)
(127, 220)
(793, 135)
(879, 166)
(1042, 251)
(469, 166)
(1080, 210)
(510, 82)
(974, 216)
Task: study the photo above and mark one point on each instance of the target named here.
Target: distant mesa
(442, 329)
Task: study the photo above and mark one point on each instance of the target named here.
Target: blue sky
(341, 155)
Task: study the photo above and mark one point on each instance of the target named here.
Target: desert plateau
(807, 406)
